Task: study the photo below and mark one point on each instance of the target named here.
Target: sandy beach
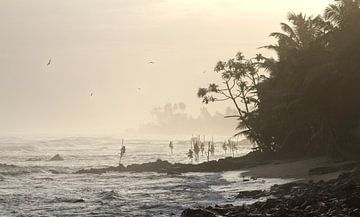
(296, 169)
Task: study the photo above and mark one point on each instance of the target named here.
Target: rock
(339, 197)
(120, 168)
(356, 175)
(157, 166)
(56, 157)
(197, 213)
(78, 201)
(354, 201)
(227, 164)
(34, 159)
(251, 194)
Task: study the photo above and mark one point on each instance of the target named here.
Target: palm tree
(337, 13)
(334, 13)
(298, 35)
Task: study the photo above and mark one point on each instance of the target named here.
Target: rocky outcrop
(56, 157)
(161, 166)
(157, 166)
(252, 194)
(119, 168)
(339, 197)
(34, 159)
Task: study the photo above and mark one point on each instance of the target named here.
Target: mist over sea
(36, 186)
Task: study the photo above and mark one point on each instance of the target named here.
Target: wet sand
(296, 169)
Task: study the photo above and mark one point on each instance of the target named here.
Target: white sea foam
(50, 188)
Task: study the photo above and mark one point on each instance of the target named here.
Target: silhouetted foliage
(309, 103)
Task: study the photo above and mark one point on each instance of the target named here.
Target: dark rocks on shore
(157, 166)
(252, 194)
(339, 197)
(161, 166)
(119, 168)
(199, 213)
(228, 164)
(56, 157)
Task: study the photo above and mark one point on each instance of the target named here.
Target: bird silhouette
(49, 62)
(151, 62)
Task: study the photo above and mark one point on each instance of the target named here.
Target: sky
(104, 47)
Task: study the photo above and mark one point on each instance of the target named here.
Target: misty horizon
(99, 80)
(179, 108)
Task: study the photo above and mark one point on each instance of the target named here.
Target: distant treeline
(306, 101)
(173, 119)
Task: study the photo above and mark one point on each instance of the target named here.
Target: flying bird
(49, 62)
(151, 62)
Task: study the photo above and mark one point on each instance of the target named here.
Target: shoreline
(311, 169)
(255, 165)
(320, 186)
(336, 197)
(162, 166)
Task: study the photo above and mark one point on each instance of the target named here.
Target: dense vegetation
(306, 101)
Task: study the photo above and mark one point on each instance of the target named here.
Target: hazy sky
(103, 47)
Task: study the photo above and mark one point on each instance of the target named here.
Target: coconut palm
(298, 35)
(337, 13)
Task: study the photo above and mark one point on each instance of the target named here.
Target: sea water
(35, 186)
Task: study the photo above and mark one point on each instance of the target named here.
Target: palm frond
(287, 29)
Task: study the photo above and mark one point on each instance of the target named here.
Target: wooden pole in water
(191, 141)
(208, 152)
(120, 154)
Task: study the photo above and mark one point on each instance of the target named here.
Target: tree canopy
(309, 101)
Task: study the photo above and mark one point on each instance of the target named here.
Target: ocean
(35, 186)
